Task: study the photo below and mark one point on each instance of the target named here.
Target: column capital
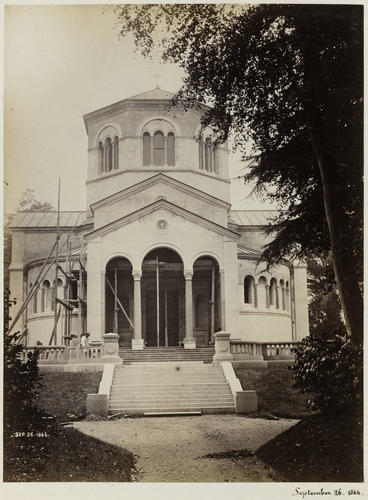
(188, 274)
(137, 275)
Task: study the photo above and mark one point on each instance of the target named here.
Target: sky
(61, 62)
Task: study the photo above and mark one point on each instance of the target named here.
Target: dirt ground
(175, 449)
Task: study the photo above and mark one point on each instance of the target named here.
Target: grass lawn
(66, 393)
(64, 454)
(276, 395)
(319, 448)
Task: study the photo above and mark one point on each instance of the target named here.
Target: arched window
(283, 301)
(249, 290)
(45, 296)
(215, 157)
(59, 295)
(146, 149)
(208, 155)
(200, 152)
(158, 149)
(262, 293)
(116, 153)
(272, 293)
(108, 155)
(287, 296)
(100, 158)
(34, 299)
(170, 149)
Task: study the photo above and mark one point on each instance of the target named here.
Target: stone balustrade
(52, 355)
(279, 350)
(267, 351)
(241, 349)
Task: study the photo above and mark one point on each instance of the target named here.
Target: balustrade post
(222, 347)
(111, 349)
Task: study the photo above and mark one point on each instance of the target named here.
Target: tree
(29, 203)
(324, 307)
(287, 79)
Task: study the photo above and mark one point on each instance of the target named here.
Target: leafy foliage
(329, 368)
(21, 386)
(286, 80)
(324, 307)
(29, 203)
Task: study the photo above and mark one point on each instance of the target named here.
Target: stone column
(137, 341)
(151, 139)
(113, 148)
(189, 341)
(255, 294)
(165, 150)
(268, 302)
(277, 291)
(104, 162)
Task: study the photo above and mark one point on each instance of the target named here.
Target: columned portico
(137, 341)
(189, 341)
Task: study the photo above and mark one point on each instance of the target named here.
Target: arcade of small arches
(163, 304)
(208, 156)
(108, 154)
(266, 294)
(158, 148)
(43, 300)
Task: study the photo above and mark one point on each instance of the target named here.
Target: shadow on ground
(319, 448)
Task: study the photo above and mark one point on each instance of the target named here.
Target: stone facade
(158, 211)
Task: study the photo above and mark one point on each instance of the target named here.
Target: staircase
(155, 354)
(163, 387)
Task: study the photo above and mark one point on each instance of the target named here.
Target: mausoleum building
(158, 256)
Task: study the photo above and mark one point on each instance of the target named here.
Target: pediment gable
(154, 207)
(164, 180)
(155, 188)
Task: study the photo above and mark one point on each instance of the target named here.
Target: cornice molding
(157, 171)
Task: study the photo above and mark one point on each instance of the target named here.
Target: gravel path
(174, 448)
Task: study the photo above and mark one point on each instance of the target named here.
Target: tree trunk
(343, 211)
(346, 259)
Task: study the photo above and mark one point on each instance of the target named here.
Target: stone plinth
(137, 344)
(246, 402)
(222, 347)
(189, 343)
(97, 404)
(111, 348)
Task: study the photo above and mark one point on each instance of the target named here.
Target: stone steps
(170, 387)
(155, 354)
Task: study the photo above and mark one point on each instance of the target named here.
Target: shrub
(330, 369)
(22, 382)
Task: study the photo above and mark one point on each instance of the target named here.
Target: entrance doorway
(206, 299)
(163, 298)
(119, 300)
